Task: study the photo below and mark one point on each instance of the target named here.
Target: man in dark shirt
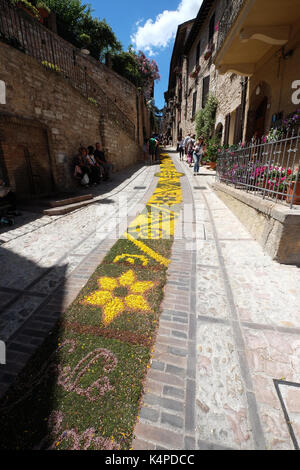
(101, 160)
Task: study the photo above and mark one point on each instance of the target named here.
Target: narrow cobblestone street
(225, 367)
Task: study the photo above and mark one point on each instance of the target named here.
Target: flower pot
(290, 191)
(213, 165)
(85, 51)
(43, 14)
(22, 6)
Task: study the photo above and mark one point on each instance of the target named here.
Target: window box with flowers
(195, 72)
(210, 49)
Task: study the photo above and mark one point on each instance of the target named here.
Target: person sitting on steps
(103, 162)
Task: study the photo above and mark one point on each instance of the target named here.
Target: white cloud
(158, 33)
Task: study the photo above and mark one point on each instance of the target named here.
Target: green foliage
(43, 5)
(205, 118)
(102, 36)
(125, 64)
(212, 148)
(85, 39)
(75, 24)
(50, 66)
(28, 5)
(93, 101)
(69, 11)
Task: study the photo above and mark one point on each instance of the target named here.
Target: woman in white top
(198, 153)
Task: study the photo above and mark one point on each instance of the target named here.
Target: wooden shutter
(205, 90)
(227, 128)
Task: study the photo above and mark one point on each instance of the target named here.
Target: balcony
(227, 20)
(249, 29)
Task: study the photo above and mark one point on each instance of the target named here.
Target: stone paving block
(167, 403)
(157, 365)
(139, 444)
(170, 341)
(179, 334)
(149, 414)
(177, 371)
(172, 376)
(173, 392)
(177, 351)
(157, 435)
(153, 387)
(172, 420)
(171, 359)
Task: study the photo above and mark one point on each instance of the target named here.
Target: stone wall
(274, 226)
(227, 88)
(45, 98)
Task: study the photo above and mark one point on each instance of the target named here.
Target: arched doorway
(219, 132)
(260, 118)
(256, 122)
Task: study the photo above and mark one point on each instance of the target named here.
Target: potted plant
(212, 148)
(292, 181)
(44, 11)
(26, 6)
(85, 40)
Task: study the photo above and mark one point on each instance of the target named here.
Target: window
(205, 90)
(238, 127)
(198, 53)
(211, 31)
(194, 103)
(227, 129)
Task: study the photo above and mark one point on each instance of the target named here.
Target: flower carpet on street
(82, 388)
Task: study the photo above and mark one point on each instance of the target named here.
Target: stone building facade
(246, 53)
(198, 77)
(261, 40)
(46, 114)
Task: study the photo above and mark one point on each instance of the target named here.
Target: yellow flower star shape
(114, 306)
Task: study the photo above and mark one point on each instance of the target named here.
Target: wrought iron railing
(269, 169)
(31, 37)
(230, 14)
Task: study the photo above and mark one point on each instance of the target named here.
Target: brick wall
(43, 97)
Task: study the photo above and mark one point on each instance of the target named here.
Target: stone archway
(256, 122)
(219, 132)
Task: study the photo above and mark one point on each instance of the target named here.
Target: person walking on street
(181, 149)
(152, 148)
(198, 150)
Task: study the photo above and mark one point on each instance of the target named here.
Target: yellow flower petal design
(99, 298)
(112, 310)
(127, 278)
(141, 286)
(136, 302)
(108, 283)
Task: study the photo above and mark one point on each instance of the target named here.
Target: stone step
(70, 200)
(61, 210)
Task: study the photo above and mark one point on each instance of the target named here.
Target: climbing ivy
(205, 118)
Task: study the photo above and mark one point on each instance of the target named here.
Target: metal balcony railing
(29, 36)
(267, 169)
(229, 16)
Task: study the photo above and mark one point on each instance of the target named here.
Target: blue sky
(150, 26)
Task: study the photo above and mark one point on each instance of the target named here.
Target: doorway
(25, 157)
